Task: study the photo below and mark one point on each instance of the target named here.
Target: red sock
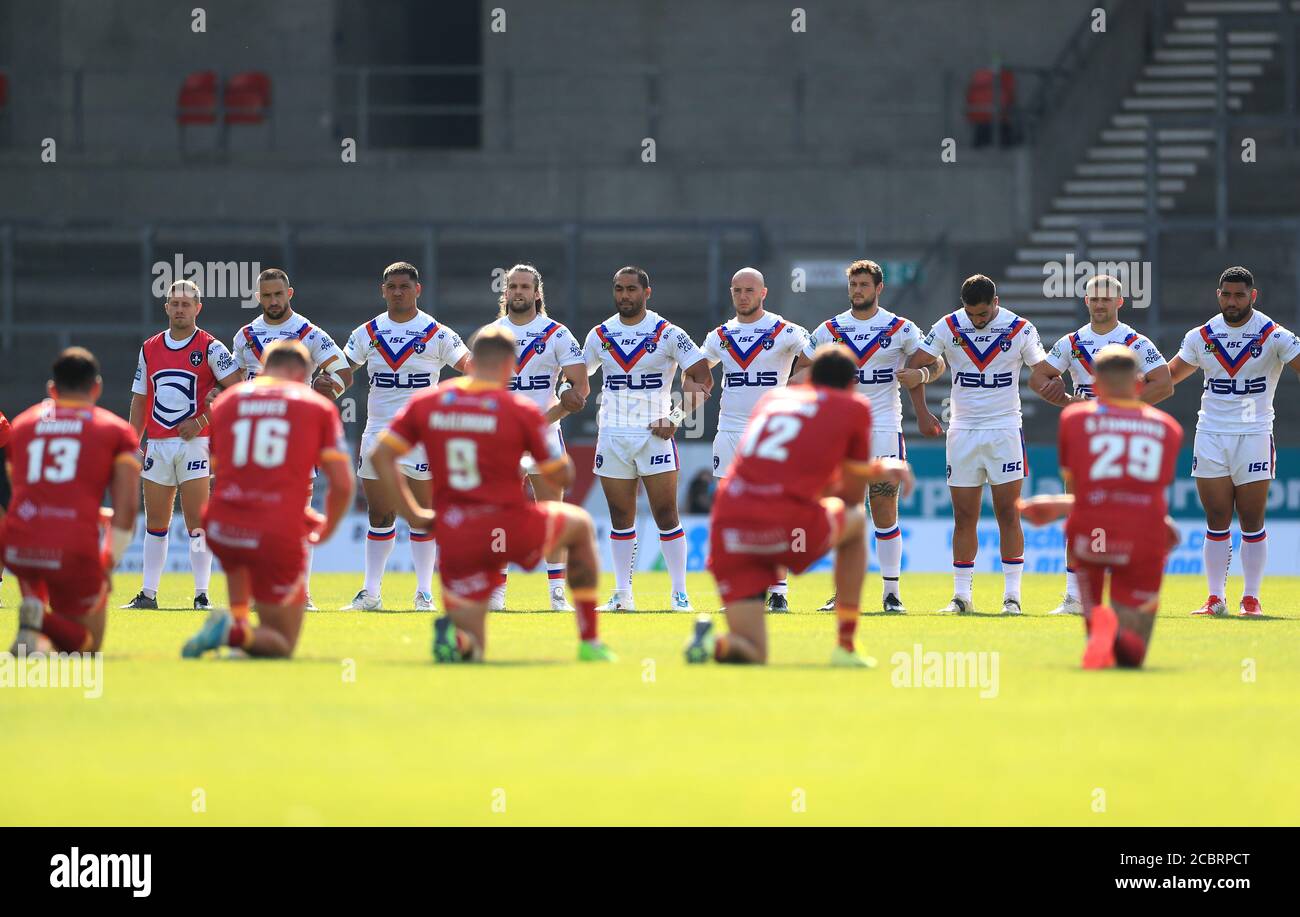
(584, 603)
(66, 634)
(241, 633)
(847, 616)
(1130, 649)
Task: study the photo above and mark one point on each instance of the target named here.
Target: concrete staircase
(1110, 179)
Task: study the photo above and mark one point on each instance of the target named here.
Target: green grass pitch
(362, 727)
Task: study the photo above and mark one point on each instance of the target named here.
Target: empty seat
(247, 98)
(197, 101)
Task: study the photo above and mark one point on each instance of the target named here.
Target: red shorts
(74, 581)
(752, 544)
(474, 543)
(275, 563)
(1136, 566)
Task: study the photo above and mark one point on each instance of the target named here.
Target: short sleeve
(450, 347)
(1288, 344)
(220, 361)
(356, 348)
(322, 347)
(591, 351)
(1031, 348)
(933, 342)
(684, 350)
(794, 339)
(140, 386)
(1059, 356)
(819, 336)
(1189, 351)
(910, 338)
(1149, 357)
(712, 348)
(238, 346)
(569, 353)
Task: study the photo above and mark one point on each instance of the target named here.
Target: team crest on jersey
(418, 347)
(1256, 349)
(651, 346)
(539, 346)
(1005, 344)
(196, 358)
(948, 473)
(768, 343)
(148, 462)
(716, 461)
(174, 396)
(600, 459)
(884, 342)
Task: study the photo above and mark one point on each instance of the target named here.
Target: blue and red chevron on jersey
(627, 360)
(982, 358)
(869, 349)
(254, 343)
(395, 358)
(531, 347)
(742, 356)
(1232, 365)
(1081, 353)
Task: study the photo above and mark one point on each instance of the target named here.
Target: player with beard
(756, 350)
(279, 322)
(545, 351)
(880, 342)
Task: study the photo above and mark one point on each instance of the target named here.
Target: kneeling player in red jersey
(267, 435)
(65, 453)
(801, 441)
(474, 433)
(1118, 454)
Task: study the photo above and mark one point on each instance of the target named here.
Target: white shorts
(413, 464)
(556, 438)
(1244, 457)
(724, 450)
(888, 444)
(634, 455)
(174, 461)
(978, 457)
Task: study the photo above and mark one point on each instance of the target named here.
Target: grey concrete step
(1131, 153)
(1130, 169)
(1117, 186)
(1176, 103)
(1240, 38)
(1165, 135)
(1188, 87)
(1260, 54)
(1199, 71)
(1119, 202)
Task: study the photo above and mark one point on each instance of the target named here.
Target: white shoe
(497, 601)
(424, 602)
(559, 602)
(1070, 605)
(1011, 606)
(958, 606)
(619, 601)
(681, 602)
(364, 601)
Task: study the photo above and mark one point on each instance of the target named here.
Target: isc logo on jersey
(175, 396)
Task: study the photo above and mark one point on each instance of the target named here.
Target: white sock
(1012, 568)
(200, 561)
(1071, 583)
(673, 545)
(155, 558)
(555, 574)
(424, 551)
(1217, 554)
(1254, 553)
(780, 587)
(889, 552)
(379, 544)
(963, 576)
(622, 542)
(505, 576)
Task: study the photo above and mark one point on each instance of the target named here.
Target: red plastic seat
(4, 90)
(197, 101)
(247, 98)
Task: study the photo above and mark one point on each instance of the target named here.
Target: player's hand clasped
(663, 428)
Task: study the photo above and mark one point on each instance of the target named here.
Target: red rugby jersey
(175, 378)
(797, 440)
(474, 434)
(60, 459)
(267, 436)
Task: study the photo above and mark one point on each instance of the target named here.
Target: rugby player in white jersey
(880, 342)
(279, 321)
(545, 351)
(1074, 353)
(639, 353)
(1241, 351)
(403, 350)
(986, 345)
(756, 350)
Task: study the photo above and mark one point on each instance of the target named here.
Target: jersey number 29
(1139, 456)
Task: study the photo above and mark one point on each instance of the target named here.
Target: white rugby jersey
(881, 346)
(639, 362)
(755, 357)
(253, 338)
(1075, 352)
(985, 365)
(542, 348)
(1241, 367)
(402, 359)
